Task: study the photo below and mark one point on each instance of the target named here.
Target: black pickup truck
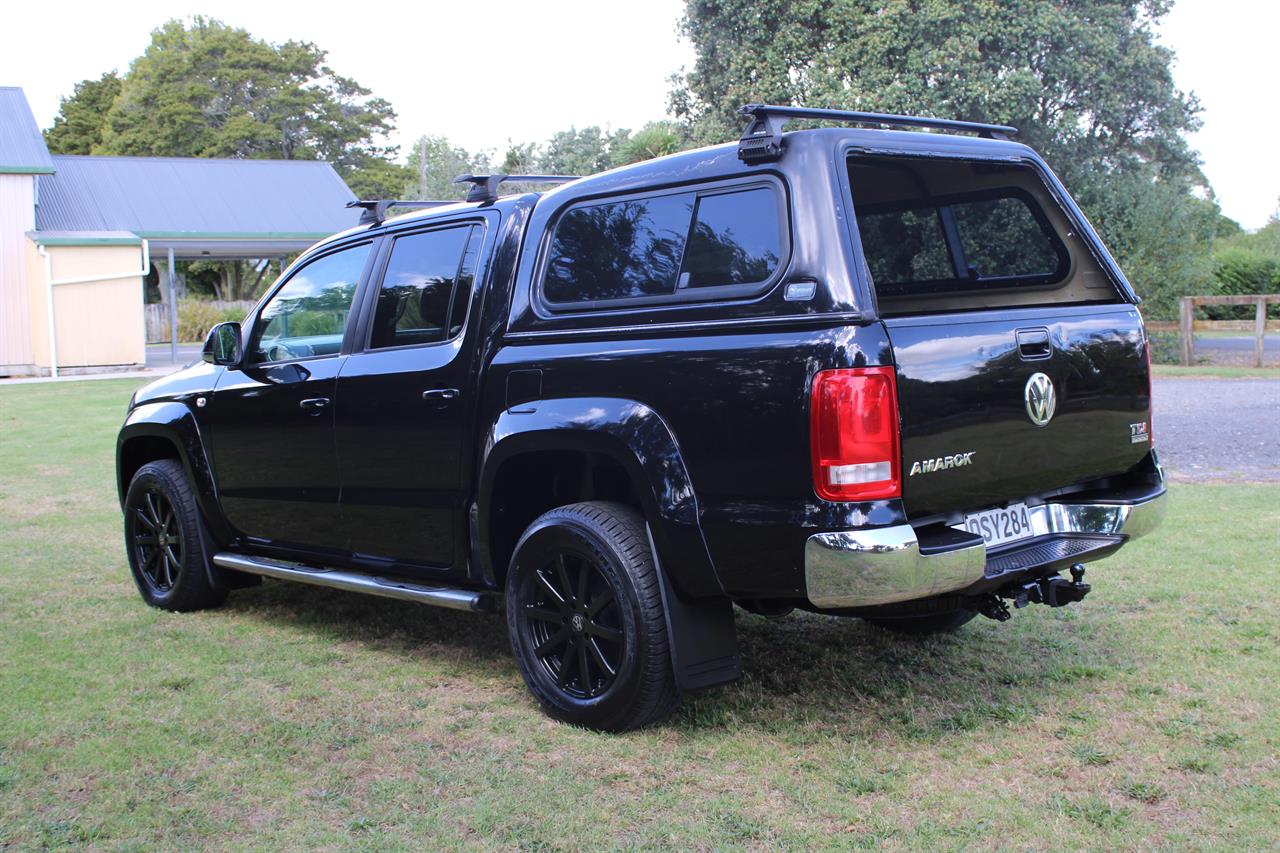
(860, 371)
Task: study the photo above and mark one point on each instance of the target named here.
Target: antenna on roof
(762, 140)
(485, 187)
(374, 211)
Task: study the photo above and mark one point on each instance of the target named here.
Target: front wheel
(585, 616)
(163, 537)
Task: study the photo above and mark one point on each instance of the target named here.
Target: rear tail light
(853, 420)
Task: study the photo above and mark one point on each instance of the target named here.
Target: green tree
(576, 152)
(206, 89)
(379, 178)
(434, 162)
(1084, 81)
(211, 90)
(1247, 263)
(231, 281)
(77, 129)
(655, 139)
(522, 158)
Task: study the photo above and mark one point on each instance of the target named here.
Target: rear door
(402, 401)
(1021, 365)
(998, 406)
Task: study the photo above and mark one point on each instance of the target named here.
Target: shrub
(1242, 269)
(196, 317)
(234, 313)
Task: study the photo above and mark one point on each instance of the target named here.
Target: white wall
(17, 216)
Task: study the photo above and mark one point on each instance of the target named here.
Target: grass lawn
(299, 717)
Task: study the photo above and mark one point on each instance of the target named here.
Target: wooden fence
(157, 315)
(1187, 325)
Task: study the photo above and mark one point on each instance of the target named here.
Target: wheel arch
(168, 430)
(605, 438)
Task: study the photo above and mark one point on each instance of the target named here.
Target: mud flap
(700, 633)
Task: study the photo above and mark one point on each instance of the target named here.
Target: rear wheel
(585, 616)
(164, 539)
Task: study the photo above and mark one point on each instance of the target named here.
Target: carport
(100, 221)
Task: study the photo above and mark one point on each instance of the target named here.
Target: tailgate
(999, 405)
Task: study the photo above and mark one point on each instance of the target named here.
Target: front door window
(307, 317)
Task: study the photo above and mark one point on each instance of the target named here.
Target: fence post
(1260, 329)
(1185, 311)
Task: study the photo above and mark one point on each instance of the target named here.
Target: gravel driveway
(1218, 429)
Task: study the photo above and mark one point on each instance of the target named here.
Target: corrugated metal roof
(22, 148)
(195, 198)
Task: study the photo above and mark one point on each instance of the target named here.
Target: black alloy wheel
(572, 619)
(586, 621)
(156, 538)
(165, 540)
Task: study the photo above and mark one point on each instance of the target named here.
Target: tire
(165, 540)
(921, 626)
(583, 598)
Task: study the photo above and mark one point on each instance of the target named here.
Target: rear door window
(664, 248)
(423, 297)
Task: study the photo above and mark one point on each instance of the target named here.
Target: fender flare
(631, 434)
(175, 423)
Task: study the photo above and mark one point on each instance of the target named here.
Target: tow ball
(1053, 590)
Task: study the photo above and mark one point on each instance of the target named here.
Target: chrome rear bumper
(864, 568)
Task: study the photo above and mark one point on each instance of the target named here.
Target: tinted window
(735, 240)
(466, 281)
(906, 245)
(1002, 238)
(995, 237)
(308, 315)
(653, 247)
(619, 250)
(417, 292)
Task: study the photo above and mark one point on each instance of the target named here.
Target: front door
(271, 420)
(402, 403)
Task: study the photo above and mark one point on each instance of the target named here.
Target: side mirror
(223, 344)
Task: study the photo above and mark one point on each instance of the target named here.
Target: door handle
(1034, 344)
(441, 395)
(314, 405)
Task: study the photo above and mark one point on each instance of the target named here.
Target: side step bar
(438, 596)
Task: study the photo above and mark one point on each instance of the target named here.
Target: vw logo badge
(1042, 400)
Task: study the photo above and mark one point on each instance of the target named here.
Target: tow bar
(1053, 590)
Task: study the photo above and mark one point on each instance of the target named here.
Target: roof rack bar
(485, 187)
(374, 211)
(762, 140)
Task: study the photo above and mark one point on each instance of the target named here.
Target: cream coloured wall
(17, 216)
(99, 323)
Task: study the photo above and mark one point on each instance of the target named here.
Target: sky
(487, 74)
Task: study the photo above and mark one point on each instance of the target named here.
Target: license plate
(1000, 526)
